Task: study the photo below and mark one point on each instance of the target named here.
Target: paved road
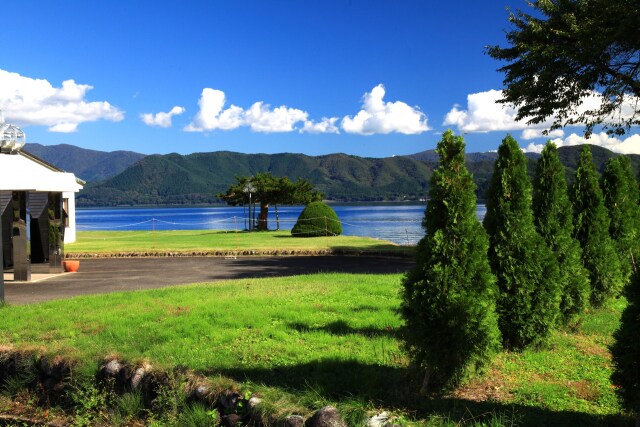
(98, 276)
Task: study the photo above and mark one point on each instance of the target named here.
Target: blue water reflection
(398, 223)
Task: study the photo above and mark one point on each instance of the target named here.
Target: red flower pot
(71, 265)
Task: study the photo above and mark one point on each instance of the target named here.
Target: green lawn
(221, 242)
(326, 338)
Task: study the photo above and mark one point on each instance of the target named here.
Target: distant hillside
(197, 178)
(89, 165)
(430, 156)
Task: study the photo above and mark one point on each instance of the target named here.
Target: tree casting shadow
(396, 389)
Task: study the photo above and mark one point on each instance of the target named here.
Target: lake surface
(396, 222)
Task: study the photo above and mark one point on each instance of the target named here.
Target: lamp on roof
(12, 138)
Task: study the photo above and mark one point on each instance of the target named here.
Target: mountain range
(88, 165)
(125, 178)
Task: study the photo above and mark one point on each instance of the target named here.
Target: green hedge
(317, 219)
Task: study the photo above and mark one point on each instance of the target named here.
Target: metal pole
(250, 217)
(244, 214)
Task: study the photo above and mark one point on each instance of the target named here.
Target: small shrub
(317, 219)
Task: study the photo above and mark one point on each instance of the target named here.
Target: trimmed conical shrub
(317, 219)
(448, 298)
(553, 218)
(620, 192)
(626, 350)
(525, 268)
(591, 229)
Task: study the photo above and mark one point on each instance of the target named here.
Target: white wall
(70, 230)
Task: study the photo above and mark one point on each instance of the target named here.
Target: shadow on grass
(248, 267)
(342, 328)
(396, 388)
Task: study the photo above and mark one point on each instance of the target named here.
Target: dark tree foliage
(620, 190)
(591, 229)
(266, 189)
(626, 350)
(553, 218)
(568, 49)
(448, 299)
(526, 269)
(317, 219)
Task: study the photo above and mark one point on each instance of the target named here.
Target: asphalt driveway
(98, 276)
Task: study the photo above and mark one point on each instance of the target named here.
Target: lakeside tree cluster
(544, 253)
(265, 189)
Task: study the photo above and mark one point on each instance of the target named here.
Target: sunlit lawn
(334, 336)
(215, 242)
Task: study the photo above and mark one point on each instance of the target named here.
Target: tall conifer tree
(626, 350)
(449, 296)
(620, 191)
(553, 218)
(526, 269)
(591, 229)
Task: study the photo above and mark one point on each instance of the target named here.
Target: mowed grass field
(326, 338)
(215, 241)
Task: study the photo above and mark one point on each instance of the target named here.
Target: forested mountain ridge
(198, 177)
(89, 165)
(175, 179)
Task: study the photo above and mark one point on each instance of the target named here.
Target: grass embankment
(323, 338)
(214, 242)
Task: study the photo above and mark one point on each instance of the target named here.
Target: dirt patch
(587, 347)
(585, 390)
(492, 386)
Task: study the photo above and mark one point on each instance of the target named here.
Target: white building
(37, 207)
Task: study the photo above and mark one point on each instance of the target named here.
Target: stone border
(247, 252)
(51, 379)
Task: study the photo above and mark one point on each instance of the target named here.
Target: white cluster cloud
(28, 101)
(382, 117)
(326, 125)
(375, 117)
(485, 114)
(532, 133)
(161, 119)
(259, 117)
(629, 145)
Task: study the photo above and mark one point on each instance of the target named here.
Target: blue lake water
(396, 222)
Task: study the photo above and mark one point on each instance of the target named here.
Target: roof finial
(12, 138)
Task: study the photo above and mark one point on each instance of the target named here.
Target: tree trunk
(263, 217)
(425, 382)
(277, 217)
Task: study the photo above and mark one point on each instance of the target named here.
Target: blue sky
(370, 78)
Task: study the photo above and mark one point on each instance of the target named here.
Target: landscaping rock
(115, 375)
(111, 368)
(150, 387)
(229, 400)
(8, 365)
(231, 420)
(252, 404)
(53, 376)
(294, 421)
(326, 417)
(138, 376)
(379, 420)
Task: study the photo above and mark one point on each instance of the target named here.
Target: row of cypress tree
(543, 256)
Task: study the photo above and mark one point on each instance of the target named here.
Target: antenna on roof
(12, 138)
